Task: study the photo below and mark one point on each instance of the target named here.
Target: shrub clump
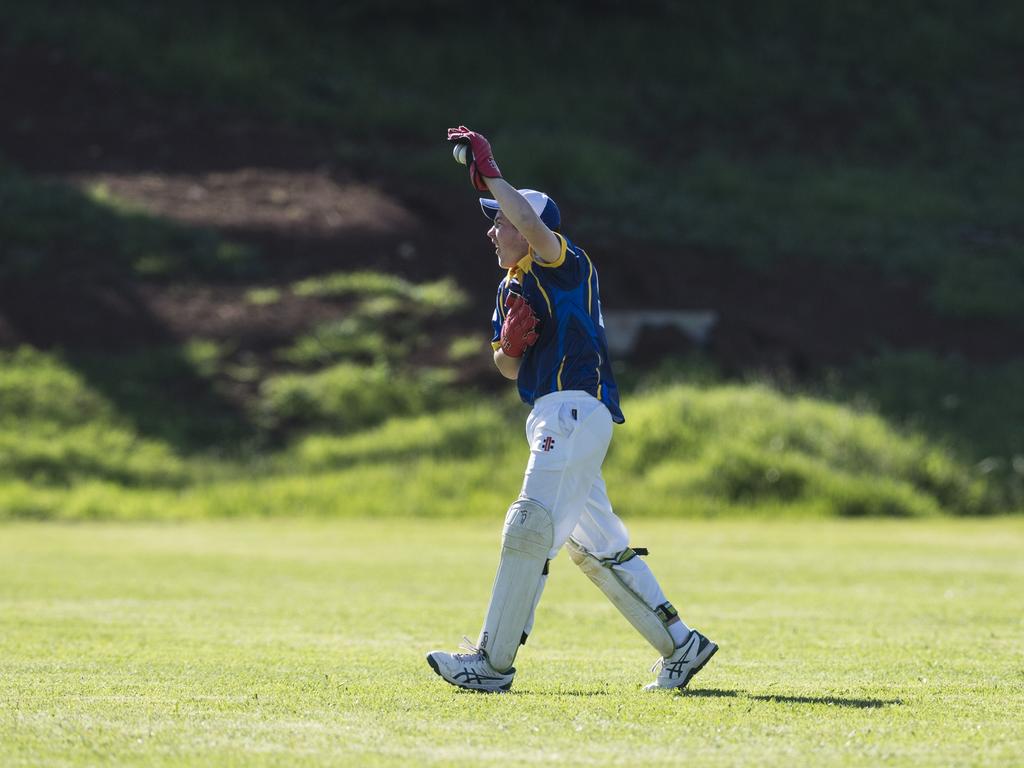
(346, 397)
(753, 446)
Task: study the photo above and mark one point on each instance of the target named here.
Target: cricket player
(549, 337)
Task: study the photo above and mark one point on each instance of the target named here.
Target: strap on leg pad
(525, 544)
(649, 622)
(536, 600)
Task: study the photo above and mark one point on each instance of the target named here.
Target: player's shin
(629, 584)
(525, 545)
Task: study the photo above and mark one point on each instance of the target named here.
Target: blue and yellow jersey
(571, 351)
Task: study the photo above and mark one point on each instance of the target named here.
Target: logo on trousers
(547, 443)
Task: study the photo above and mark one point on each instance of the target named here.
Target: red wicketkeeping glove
(482, 159)
(518, 331)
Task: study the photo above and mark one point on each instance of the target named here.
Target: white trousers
(569, 433)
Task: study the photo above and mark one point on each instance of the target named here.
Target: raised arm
(546, 246)
(485, 176)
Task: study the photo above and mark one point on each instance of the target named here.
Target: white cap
(542, 205)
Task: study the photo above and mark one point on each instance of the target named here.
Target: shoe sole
(710, 651)
(434, 666)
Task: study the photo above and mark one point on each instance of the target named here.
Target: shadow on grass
(572, 692)
(718, 693)
(831, 701)
(711, 693)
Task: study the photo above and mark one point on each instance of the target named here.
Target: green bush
(346, 397)
(376, 440)
(383, 328)
(476, 430)
(362, 283)
(440, 296)
(975, 407)
(35, 386)
(353, 338)
(850, 496)
(742, 473)
(753, 445)
(55, 429)
(47, 454)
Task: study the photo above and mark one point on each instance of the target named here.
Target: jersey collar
(522, 266)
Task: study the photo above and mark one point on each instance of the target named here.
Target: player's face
(509, 245)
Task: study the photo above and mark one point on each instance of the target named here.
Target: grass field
(301, 643)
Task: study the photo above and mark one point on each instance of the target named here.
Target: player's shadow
(833, 701)
(573, 692)
(711, 693)
(721, 693)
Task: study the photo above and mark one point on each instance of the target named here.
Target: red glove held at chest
(518, 331)
(482, 163)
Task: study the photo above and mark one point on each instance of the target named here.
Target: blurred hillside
(223, 218)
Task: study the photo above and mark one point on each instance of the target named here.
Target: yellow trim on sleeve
(501, 303)
(544, 293)
(557, 262)
(559, 379)
(590, 291)
(495, 345)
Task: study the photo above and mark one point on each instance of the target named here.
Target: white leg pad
(533, 612)
(621, 587)
(525, 543)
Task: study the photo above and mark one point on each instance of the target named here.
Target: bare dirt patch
(305, 202)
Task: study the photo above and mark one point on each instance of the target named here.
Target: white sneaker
(687, 661)
(470, 670)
